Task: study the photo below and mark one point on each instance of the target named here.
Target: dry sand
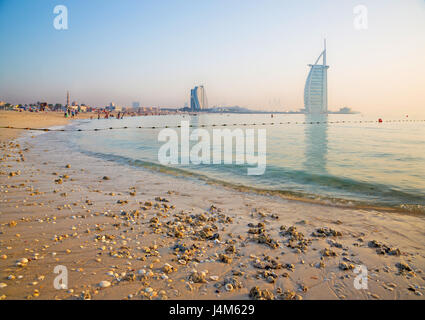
(126, 233)
(27, 119)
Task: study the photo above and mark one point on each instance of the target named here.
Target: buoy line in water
(218, 125)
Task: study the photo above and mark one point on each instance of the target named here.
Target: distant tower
(198, 99)
(316, 86)
(67, 99)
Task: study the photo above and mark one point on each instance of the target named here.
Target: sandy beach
(126, 233)
(31, 120)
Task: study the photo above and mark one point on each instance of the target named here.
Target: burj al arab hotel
(316, 86)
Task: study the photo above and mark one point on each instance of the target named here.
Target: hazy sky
(251, 53)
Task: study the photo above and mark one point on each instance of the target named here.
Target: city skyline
(245, 54)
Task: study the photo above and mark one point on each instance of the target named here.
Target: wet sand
(127, 233)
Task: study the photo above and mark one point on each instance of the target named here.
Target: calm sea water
(374, 164)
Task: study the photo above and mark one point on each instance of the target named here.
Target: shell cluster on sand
(127, 240)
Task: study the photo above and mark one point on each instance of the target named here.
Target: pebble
(22, 262)
(344, 266)
(197, 277)
(104, 284)
(167, 268)
(258, 294)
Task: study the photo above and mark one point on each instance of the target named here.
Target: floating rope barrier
(217, 125)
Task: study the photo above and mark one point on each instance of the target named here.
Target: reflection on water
(316, 143)
(338, 161)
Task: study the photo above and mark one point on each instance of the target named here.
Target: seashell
(228, 287)
(142, 271)
(104, 284)
(22, 262)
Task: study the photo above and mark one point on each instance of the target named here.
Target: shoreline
(26, 119)
(139, 235)
(342, 203)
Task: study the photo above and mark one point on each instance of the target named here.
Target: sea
(338, 159)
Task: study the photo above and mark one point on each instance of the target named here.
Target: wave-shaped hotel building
(316, 87)
(198, 99)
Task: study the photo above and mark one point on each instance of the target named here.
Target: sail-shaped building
(198, 99)
(316, 87)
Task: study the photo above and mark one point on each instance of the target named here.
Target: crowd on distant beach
(107, 114)
(69, 113)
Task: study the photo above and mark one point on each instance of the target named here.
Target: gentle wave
(286, 194)
(364, 165)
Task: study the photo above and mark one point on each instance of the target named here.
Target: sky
(251, 53)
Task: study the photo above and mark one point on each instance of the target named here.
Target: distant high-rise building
(135, 104)
(316, 87)
(198, 99)
(67, 99)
